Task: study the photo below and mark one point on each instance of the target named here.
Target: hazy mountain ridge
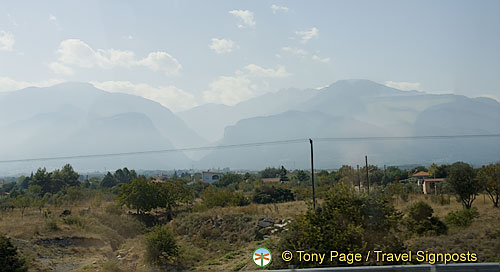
(77, 118)
(357, 108)
(211, 119)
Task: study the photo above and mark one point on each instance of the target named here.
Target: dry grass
(481, 237)
(92, 241)
(76, 242)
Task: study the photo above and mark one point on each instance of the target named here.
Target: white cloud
(221, 46)
(245, 17)
(247, 83)
(229, 90)
(404, 86)
(277, 9)
(61, 69)
(161, 61)
(306, 35)
(258, 71)
(8, 84)
(169, 96)
(295, 51)
(6, 41)
(320, 59)
(77, 53)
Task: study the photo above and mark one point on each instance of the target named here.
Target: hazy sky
(186, 53)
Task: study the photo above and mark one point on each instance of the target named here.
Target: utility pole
(359, 178)
(367, 176)
(312, 174)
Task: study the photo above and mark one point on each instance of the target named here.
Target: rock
(281, 225)
(266, 222)
(65, 213)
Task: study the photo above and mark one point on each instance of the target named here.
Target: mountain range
(78, 119)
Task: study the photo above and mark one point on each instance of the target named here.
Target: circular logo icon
(262, 257)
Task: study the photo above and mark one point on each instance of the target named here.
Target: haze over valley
(79, 119)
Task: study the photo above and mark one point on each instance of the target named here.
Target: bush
(346, 221)
(161, 246)
(462, 218)
(213, 197)
(421, 221)
(52, 226)
(264, 195)
(73, 220)
(10, 260)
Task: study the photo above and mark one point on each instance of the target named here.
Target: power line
(280, 142)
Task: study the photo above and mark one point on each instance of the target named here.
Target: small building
(419, 177)
(430, 185)
(211, 177)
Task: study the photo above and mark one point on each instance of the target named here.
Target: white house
(211, 177)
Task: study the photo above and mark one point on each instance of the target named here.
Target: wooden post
(312, 174)
(367, 176)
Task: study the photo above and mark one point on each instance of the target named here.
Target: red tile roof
(421, 174)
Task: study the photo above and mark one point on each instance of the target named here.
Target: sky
(188, 53)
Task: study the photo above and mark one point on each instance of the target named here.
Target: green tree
(270, 172)
(302, 176)
(108, 181)
(140, 194)
(489, 178)
(228, 179)
(22, 202)
(43, 179)
(69, 176)
(463, 183)
(10, 259)
(433, 169)
(266, 194)
(144, 195)
(283, 176)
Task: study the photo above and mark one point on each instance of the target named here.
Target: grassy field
(105, 238)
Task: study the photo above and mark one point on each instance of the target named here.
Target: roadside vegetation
(124, 221)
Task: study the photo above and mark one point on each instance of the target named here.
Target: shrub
(73, 220)
(462, 218)
(421, 221)
(265, 194)
(161, 246)
(347, 221)
(52, 226)
(213, 197)
(10, 260)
